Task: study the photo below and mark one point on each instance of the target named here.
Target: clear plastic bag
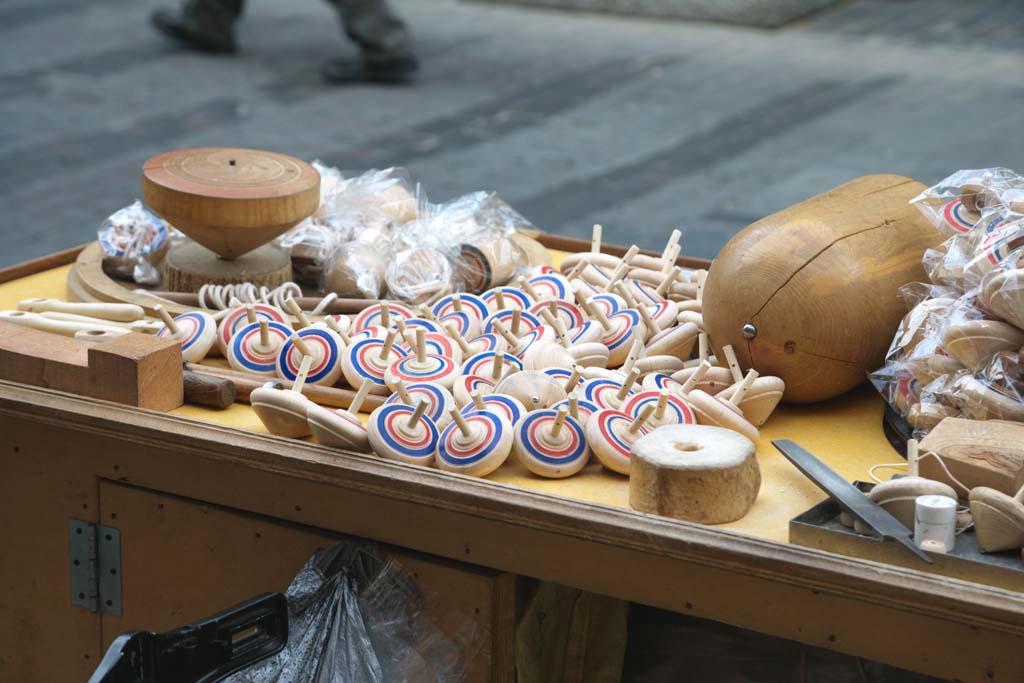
(356, 617)
(957, 203)
(135, 241)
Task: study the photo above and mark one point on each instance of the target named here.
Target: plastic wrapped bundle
(135, 241)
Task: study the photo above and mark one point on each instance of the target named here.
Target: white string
(920, 457)
(322, 306)
(220, 297)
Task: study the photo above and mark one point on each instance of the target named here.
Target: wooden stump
(695, 473)
(190, 266)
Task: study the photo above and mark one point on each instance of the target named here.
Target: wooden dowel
(168, 320)
(741, 391)
(595, 239)
(640, 419)
(517, 316)
(302, 374)
(702, 346)
(913, 457)
(292, 305)
(457, 302)
(335, 306)
(209, 391)
(478, 400)
(459, 339)
(573, 382)
(697, 376)
(556, 427)
(245, 382)
(414, 419)
(303, 348)
(574, 404)
(389, 343)
(673, 239)
(385, 315)
(623, 392)
(503, 332)
(250, 313)
(403, 393)
(499, 299)
(659, 410)
(497, 366)
(360, 397)
(734, 364)
(421, 346)
(461, 422)
(669, 280)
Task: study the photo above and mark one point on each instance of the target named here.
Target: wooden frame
(926, 623)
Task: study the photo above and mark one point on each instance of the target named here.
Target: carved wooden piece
(819, 284)
(986, 453)
(695, 473)
(134, 369)
(230, 200)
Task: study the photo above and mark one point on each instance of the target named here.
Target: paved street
(641, 125)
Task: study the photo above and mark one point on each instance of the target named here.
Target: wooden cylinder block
(695, 473)
(189, 266)
(810, 294)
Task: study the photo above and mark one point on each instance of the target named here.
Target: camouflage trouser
(369, 23)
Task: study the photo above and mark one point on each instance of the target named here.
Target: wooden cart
(208, 510)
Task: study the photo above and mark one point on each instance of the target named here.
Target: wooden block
(134, 369)
(189, 266)
(977, 452)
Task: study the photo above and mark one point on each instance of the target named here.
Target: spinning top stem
(702, 346)
(525, 285)
(359, 398)
(574, 404)
(673, 240)
(300, 376)
(264, 335)
(168, 320)
(402, 392)
(694, 378)
(556, 426)
(385, 314)
(461, 422)
(421, 347)
(301, 345)
(659, 410)
(504, 333)
(576, 270)
(595, 312)
(250, 313)
(595, 239)
(499, 299)
(332, 323)
(638, 422)
(627, 386)
(913, 457)
(389, 343)
(421, 408)
(478, 400)
(666, 284)
(457, 302)
(459, 339)
(497, 366)
(734, 364)
(516, 318)
(574, 379)
(293, 306)
(741, 391)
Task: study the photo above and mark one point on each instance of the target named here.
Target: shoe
(377, 70)
(193, 34)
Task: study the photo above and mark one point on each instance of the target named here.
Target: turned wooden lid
(230, 200)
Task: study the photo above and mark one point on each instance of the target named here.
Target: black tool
(849, 497)
(203, 652)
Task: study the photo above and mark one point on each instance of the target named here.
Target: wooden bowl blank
(230, 200)
(810, 294)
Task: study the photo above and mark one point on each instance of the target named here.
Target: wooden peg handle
(209, 391)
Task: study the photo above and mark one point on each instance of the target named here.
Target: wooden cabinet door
(182, 560)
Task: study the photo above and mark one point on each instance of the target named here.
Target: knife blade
(849, 497)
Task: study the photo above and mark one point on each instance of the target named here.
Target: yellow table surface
(846, 432)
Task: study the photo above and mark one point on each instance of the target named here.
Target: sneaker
(193, 34)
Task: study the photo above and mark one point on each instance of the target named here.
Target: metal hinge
(95, 555)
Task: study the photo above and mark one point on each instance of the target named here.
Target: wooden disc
(699, 474)
(189, 266)
(230, 200)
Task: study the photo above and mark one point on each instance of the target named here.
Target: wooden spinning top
(403, 433)
(283, 412)
(340, 428)
(535, 389)
(475, 444)
(439, 400)
(998, 519)
(230, 200)
(195, 331)
(611, 434)
(551, 444)
(508, 407)
(255, 348)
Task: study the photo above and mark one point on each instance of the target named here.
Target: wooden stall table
(209, 510)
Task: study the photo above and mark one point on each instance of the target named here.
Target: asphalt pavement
(573, 118)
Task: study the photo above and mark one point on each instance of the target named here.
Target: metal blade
(849, 497)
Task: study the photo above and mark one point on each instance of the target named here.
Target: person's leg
(206, 25)
(384, 39)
